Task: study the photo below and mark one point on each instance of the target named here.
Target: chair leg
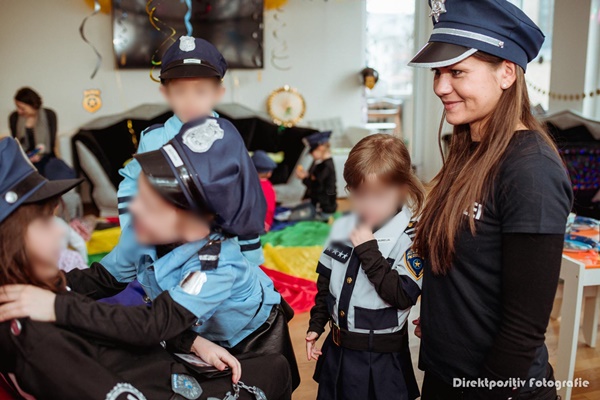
(591, 309)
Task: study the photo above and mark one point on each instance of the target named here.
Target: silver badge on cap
(187, 43)
(437, 7)
(11, 197)
(200, 138)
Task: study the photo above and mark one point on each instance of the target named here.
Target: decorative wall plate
(286, 106)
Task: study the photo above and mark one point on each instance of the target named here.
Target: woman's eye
(456, 72)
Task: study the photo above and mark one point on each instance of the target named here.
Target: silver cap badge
(187, 43)
(437, 7)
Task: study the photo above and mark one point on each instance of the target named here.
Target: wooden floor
(587, 368)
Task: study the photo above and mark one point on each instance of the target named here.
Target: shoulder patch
(338, 251)
(411, 229)
(209, 255)
(414, 263)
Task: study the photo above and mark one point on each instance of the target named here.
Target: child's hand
(417, 323)
(312, 352)
(301, 173)
(217, 356)
(360, 235)
(20, 301)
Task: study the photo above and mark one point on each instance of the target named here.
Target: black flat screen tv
(235, 27)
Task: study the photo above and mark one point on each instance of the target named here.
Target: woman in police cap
(50, 361)
(492, 230)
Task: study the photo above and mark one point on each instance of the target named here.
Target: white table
(580, 290)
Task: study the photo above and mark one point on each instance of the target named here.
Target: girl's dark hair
(29, 96)
(15, 267)
(466, 177)
(386, 157)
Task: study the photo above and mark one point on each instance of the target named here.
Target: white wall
(41, 48)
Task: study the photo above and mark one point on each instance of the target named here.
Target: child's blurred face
(192, 98)
(44, 243)
(156, 221)
(320, 152)
(375, 201)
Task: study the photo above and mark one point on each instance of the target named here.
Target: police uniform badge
(200, 138)
(339, 252)
(91, 100)
(187, 43)
(437, 7)
(186, 386)
(414, 263)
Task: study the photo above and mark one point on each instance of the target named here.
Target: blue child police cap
(317, 139)
(20, 182)
(263, 162)
(463, 27)
(206, 169)
(191, 57)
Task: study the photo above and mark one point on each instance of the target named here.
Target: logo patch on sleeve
(414, 264)
(339, 252)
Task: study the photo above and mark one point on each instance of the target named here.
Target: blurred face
(320, 152)
(375, 202)
(44, 243)
(192, 98)
(471, 89)
(25, 110)
(156, 221)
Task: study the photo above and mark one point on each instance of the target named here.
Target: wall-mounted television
(235, 27)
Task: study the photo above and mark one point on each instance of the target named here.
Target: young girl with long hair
(369, 278)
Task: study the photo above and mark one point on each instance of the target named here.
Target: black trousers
(436, 389)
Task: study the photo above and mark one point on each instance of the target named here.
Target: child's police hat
(192, 58)
(20, 182)
(206, 169)
(317, 139)
(263, 162)
(462, 27)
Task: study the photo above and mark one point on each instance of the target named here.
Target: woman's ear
(508, 74)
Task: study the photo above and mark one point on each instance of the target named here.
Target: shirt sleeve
(94, 282)
(400, 285)
(526, 308)
(129, 185)
(534, 195)
(251, 249)
(319, 313)
(121, 262)
(137, 326)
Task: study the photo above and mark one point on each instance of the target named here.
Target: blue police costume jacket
(229, 301)
(366, 292)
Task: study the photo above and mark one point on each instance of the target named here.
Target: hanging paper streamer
(155, 23)
(279, 53)
(187, 17)
(82, 33)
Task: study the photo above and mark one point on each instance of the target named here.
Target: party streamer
(82, 33)
(155, 22)
(279, 53)
(188, 16)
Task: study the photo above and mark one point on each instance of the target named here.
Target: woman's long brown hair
(465, 178)
(15, 267)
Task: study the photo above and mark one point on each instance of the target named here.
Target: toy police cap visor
(440, 54)
(189, 68)
(162, 178)
(47, 190)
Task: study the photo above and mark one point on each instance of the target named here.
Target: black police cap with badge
(192, 58)
(316, 139)
(463, 27)
(21, 183)
(206, 169)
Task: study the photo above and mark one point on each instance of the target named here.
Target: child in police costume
(196, 193)
(191, 77)
(125, 361)
(264, 166)
(320, 179)
(369, 278)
